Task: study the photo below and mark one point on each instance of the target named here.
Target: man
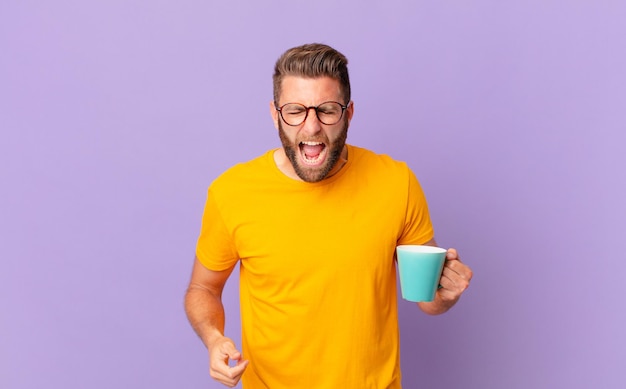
(314, 226)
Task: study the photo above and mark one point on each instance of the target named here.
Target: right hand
(223, 350)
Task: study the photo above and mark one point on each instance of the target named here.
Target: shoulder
(244, 173)
(371, 161)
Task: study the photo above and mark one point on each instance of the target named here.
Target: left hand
(455, 278)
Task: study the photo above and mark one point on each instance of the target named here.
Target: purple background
(116, 116)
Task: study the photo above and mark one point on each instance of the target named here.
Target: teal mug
(420, 269)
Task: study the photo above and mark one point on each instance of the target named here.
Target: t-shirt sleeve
(418, 228)
(215, 248)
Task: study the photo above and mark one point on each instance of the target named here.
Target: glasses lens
(329, 113)
(293, 114)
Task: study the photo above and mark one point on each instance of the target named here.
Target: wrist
(211, 337)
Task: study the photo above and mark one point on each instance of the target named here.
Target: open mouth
(312, 153)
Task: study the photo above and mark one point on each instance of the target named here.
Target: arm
(203, 304)
(455, 279)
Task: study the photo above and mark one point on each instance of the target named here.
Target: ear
(274, 114)
(350, 111)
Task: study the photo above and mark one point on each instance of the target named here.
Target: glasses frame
(315, 108)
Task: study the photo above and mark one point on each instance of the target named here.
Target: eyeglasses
(329, 112)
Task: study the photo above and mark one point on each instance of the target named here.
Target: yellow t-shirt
(317, 273)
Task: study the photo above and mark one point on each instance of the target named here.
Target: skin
(203, 300)
(205, 311)
(310, 92)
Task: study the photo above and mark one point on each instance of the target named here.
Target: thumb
(452, 255)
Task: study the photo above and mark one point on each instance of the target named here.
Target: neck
(343, 158)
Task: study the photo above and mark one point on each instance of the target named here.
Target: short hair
(312, 60)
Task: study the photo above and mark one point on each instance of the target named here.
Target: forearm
(205, 313)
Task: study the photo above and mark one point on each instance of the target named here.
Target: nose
(312, 124)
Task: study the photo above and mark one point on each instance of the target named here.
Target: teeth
(313, 160)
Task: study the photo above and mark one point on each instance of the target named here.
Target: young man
(314, 226)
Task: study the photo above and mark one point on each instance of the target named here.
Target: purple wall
(116, 115)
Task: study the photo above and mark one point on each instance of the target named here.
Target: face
(312, 148)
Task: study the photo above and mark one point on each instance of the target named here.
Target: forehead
(309, 91)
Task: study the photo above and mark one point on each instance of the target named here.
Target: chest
(298, 234)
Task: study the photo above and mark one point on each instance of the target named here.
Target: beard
(314, 173)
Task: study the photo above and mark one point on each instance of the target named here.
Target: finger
(455, 279)
(452, 270)
(445, 282)
(224, 351)
(458, 267)
(237, 370)
(219, 368)
(461, 269)
(448, 274)
(452, 255)
(231, 375)
(231, 351)
(218, 362)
